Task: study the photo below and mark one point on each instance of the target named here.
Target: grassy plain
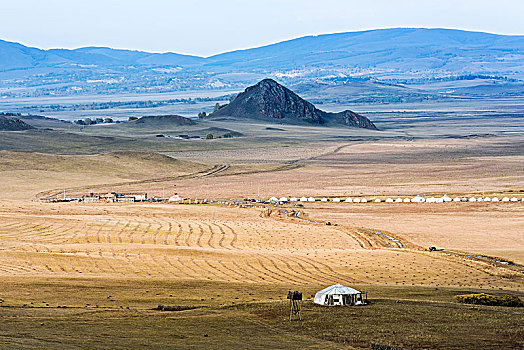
(88, 275)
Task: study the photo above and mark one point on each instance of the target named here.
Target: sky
(207, 27)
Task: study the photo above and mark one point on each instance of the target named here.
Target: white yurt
(283, 199)
(439, 200)
(349, 200)
(311, 199)
(356, 200)
(472, 199)
(377, 200)
(398, 200)
(389, 200)
(505, 199)
(487, 199)
(417, 199)
(336, 200)
(273, 199)
(446, 198)
(303, 199)
(456, 199)
(293, 199)
(324, 199)
(407, 200)
(495, 199)
(338, 295)
(431, 200)
(363, 200)
(175, 198)
(514, 199)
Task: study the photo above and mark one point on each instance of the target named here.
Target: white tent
(377, 200)
(356, 200)
(495, 199)
(505, 199)
(293, 199)
(431, 200)
(349, 200)
(446, 198)
(487, 199)
(303, 199)
(336, 200)
(273, 199)
(514, 199)
(311, 199)
(338, 295)
(324, 199)
(472, 199)
(456, 199)
(389, 200)
(175, 198)
(363, 200)
(398, 200)
(418, 199)
(407, 200)
(283, 199)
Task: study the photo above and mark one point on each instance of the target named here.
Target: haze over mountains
(389, 55)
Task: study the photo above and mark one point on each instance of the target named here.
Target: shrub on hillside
(488, 299)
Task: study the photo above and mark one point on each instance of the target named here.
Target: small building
(339, 295)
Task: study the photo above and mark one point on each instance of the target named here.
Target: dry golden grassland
(111, 264)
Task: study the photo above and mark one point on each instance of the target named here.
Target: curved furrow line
(222, 237)
(131, 233)
(242, 276)
(144, 233)
(156, 233)
(14, 229)
(235, 236)
(199, 266)
(151, 263)
(121, 232)
(318, 275)
(145, 266)
(106, 260)
(79, 227)
(197, 274)
(176, 268)
(334, 273)
(283, 274)
(179, 233)
(229, 277)
(211, 235)
(200, 235)
(137, 269)
(189, 235)
(168, 232)
(300, 275)
(264, 274)
(22, 229)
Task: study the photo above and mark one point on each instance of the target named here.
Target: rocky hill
(270, 101)
(13, 124)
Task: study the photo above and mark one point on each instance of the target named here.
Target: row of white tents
(416, 199)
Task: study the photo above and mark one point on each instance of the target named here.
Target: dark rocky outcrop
(13, 124)
(270, 101)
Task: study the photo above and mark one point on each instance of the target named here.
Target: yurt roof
(338, 289)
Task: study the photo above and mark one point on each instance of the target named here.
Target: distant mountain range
(388, 54)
